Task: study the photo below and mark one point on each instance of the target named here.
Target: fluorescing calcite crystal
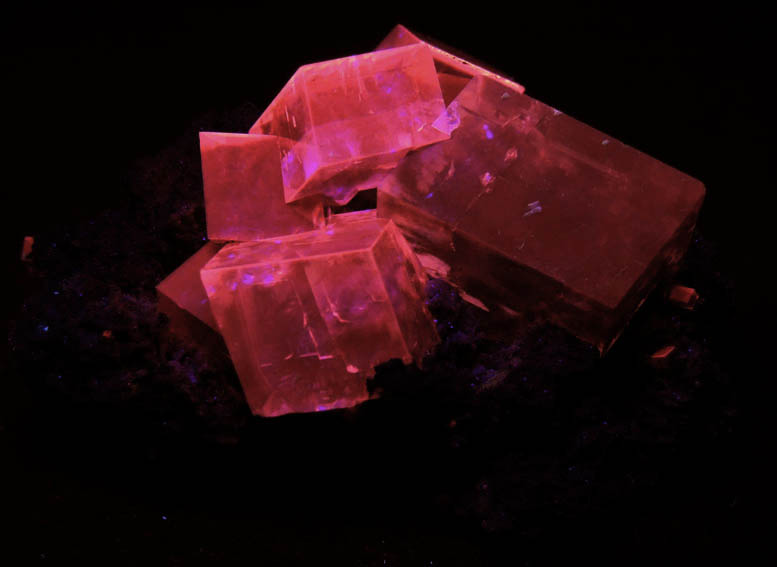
(453, 71)
(244, 191)
(183, 300)
(528, 210)
(307, 317)
(352, 119)
(530, 214)
(184, 288)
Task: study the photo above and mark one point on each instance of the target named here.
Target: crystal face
(352, 119)
(307, 317)
(244, 191)
(453, 71)
(528, 210)
(184, 288)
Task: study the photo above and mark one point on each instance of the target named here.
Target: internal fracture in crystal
(307, 317)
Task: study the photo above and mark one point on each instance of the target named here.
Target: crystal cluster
(526, 211)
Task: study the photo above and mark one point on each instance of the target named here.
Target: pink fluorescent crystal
(454, 71)
(352, 119)
(244, 191)
(183, 300)
(528, 210)
(184, 288)
(307, 317)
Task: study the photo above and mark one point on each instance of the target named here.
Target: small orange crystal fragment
(27, 245)
(662, 358)
(685, 297)
(663, 352)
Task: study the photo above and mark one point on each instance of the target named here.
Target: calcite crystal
(530, 211)
(307, 317)
(530, 214)
(352, 119)
(453, 70)
(182, 299)
(184, 288)
(243, 189)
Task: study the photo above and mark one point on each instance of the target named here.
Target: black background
(97, 104)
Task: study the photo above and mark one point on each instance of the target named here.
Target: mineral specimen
(530, 214)
(352, 119)
(530, 211)
(453, 71)
(244, 191)
(307, 317)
